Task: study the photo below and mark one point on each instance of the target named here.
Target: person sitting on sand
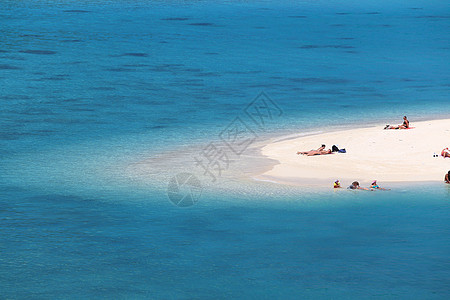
(445, 152)
(447, 177)
(405, 125)
(355, 186)
(374, 185)
(337, 184)
(321, 148)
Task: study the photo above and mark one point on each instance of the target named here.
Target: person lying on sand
(355, 186)
(374, 185)
(447, 177)
(445, 152)
(405, 125)
(322, 152)
(321, 148)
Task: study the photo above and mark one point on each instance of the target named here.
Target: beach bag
(342, 151)
(334, 149)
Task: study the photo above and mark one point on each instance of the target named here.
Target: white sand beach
(387, 156)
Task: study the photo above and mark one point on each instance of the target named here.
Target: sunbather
(322, 152)
(318, 149)
(445, 152)
(405, 125)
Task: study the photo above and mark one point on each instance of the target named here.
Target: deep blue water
(91, 87)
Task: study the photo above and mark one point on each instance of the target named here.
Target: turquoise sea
(104, 102)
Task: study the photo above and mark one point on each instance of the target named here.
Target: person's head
(323, 146)
(404, 117)
(355, 183)
(374, 182)
(337, 181)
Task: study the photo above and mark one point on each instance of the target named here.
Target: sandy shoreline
(389, 156)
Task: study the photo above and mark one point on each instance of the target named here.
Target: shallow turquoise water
(91, 88)
(346, 246)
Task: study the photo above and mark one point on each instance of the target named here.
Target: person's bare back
(322, 152)
(321, 148)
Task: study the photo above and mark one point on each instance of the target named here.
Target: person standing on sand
(447, 177)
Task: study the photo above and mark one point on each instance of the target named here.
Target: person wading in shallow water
(355, 186)
(375, 185)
